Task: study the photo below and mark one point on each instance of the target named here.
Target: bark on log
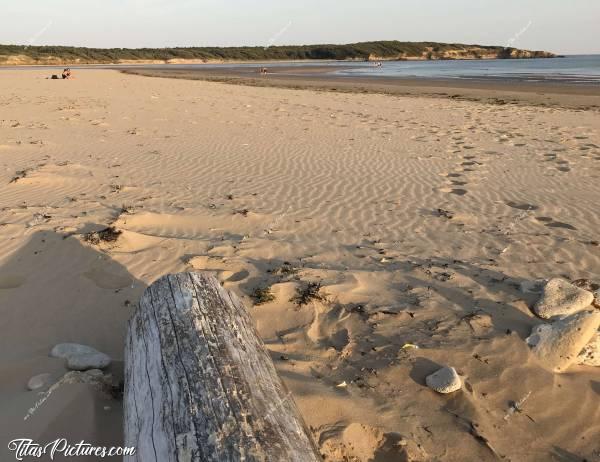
(199, 383)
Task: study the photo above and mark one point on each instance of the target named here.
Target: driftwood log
(199, 383)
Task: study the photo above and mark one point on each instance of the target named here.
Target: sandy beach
(311, 76)
(418, 218)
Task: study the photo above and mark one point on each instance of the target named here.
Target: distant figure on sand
(66, 74)
(263, 71)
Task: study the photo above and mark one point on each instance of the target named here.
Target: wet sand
(315, 77)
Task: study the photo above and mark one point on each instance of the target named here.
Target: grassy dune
(381, 50)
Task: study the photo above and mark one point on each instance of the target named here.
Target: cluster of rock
(571, 334)
(85, 363)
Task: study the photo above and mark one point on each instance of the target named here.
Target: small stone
(64, 350)
(89, 361)
(590, 355)
(558, 345)
(39, 381)
(444, 381)
(586, 284)
(561, 298)
(80, 357)
(592, 287)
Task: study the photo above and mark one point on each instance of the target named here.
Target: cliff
(381, 50)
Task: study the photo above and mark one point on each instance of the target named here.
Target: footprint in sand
(563, 166)
(325, 329)
(550, 223)
(227, 271)
(455, 191)
(239, 276)
(523, 206)
(559, 224)
(362, 442)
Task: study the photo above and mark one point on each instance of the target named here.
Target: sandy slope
(345, 188)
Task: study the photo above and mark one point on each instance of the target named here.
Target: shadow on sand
(56, 289)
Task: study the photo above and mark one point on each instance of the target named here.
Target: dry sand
(418, 216)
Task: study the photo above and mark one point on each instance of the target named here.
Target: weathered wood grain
(199, 383)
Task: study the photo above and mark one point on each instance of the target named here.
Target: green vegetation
(20, 54)
(307, 293)
(262, 295)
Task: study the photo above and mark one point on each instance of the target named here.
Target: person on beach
(66, 74)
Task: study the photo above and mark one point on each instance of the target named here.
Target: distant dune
(373, 51)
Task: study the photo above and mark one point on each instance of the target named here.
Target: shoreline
(494, 91)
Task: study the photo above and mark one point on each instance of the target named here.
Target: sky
(560, 26)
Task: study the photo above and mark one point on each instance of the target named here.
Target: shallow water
(584, 69)
(579, 70)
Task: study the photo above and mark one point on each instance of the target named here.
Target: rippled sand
(414, 214)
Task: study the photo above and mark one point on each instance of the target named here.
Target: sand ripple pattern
(416, 215)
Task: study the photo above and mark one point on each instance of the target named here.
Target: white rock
(89, 361)
(39, 381)
(64, 350)
(590, 355)
(557, 345)
(444, 381)
(80, 357)
(561, 298)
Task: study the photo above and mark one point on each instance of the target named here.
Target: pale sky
(560, 26)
